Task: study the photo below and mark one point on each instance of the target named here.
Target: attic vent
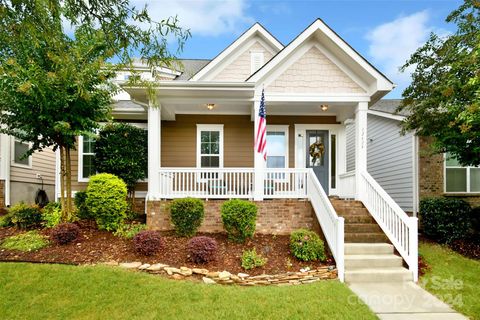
(256, 61)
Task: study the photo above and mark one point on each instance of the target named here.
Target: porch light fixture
(324, 107)
(210, 106)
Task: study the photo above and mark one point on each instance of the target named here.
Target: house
(21, 177)
(333, 162)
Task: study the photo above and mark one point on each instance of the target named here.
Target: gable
(241, 67)
(314, 72)
(230, 60)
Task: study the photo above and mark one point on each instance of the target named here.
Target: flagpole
(259, 161)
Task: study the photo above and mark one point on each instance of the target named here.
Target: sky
(385, 32)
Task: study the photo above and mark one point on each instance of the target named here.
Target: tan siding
(179, 137)
(240, 69)
(314, 72)
(43, 163)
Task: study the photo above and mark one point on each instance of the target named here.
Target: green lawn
(453, 278)
(33, 291)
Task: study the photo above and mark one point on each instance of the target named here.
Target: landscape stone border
(224, 277)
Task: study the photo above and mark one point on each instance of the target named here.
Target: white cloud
(392, 43)
(202, 17)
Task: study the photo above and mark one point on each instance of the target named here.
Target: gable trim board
(256, 28)
(382, 83)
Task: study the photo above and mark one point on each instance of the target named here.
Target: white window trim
(285, 129)
(20, 165)
(209, 127)
(456, 167)
(80, 161)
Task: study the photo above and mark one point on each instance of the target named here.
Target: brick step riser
(365, 238)
(358, 219)
(352, 212)
(362, 228)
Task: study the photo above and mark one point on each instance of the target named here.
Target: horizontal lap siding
(179, 137)
(43, 163)
(390, 159)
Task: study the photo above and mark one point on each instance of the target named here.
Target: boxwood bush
(306, 245)
(107, 200)
(239, 219)
(25, 216)
(445, 219)
(187, 215)
(80, 203)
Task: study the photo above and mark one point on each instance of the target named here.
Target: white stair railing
(400, 229)
(332, 225)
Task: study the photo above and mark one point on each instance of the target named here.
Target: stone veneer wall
(279, 216)
(431, 170)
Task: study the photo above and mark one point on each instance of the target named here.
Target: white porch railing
(223, 183)
(401, 229)
(332, 225)
(346, 185)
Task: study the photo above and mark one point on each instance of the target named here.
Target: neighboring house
(21, 177)
(326, 142)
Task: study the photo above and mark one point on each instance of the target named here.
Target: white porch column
(360, 145)
(154, 150)
(259, 162)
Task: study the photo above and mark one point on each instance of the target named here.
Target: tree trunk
(69, 183)
(62, 184)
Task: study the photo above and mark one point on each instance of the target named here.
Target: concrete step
(368, 248)
(397, 274)
(362, 228)
(365, 237)
(359, 261)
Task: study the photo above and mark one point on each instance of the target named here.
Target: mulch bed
(94, 246)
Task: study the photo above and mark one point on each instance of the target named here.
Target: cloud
(202, 17)
(392, 43)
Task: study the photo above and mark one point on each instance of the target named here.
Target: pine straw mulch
(94, 246)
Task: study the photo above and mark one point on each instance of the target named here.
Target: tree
(443, 100)
(57, 86)
(122, 149)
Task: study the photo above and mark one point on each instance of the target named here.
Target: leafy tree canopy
(443, 100)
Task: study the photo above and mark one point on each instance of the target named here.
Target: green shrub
(25, 216)
(187, 215)
(445, 219)
(52, 214)
(239, 219)
(80, 203)
(6, 221)
(106, 200)
(306, 245)
(251, 259)
(129, 230)
(28, 241)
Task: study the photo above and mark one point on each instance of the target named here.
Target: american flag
(261, 139)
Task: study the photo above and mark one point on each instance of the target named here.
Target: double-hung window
(86, 155)
(209, 146)
(19, 154)
(459, 178)
(277, 146)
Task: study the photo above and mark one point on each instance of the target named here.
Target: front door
(317, 155)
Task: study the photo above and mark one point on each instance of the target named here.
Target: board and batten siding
(350, 153)
(390, 159)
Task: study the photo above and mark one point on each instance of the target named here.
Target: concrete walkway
(403, 300)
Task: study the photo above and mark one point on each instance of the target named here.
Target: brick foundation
(279, 216)
(431, 169)
(2, 194)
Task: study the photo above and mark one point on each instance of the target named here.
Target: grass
(33, 291)
(28, 241)
(453, 278)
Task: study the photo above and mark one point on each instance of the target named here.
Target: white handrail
(400, 229)
(332, 225)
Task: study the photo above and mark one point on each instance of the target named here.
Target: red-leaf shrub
(147, 242)
(202, 249)
(65, 233)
